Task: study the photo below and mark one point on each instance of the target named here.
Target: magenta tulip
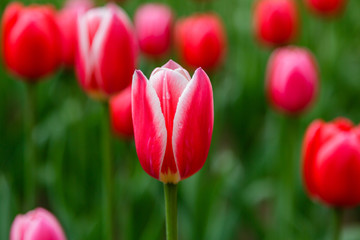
(173, 116)
(292, 79)
(38, 224)
(153, 24)
(107, 51)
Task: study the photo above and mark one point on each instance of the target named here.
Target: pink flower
(30, 40)
(292, 79)
(38, 224)
(106, 54)
(120, 113)
(326, 7)
(153, 24)
(173, 116)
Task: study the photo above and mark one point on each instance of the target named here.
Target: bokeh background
(240, 191)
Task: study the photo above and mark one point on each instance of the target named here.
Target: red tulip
(120, 113)
(275, 21)
(173, 118)
(201, 40)
(153, 24)
(38, 224)
(331, 162)
(326, 7)
(106, 54)
(31, 46)
(292, 79)
(67, 19)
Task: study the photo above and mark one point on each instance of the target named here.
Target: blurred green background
(241, 192)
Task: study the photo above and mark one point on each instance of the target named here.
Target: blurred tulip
(173, 118)
(120, 113)
(30, 40)
(38, 224)
(67, 19)
(107, 51)
(292, 79)
(153, 24)
(326, 7)
(331, 162)
(201, 40)
(275, 21)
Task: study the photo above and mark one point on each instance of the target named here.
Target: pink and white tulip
(107, 51)
(153, 24)
(38, 224)
(173, 117)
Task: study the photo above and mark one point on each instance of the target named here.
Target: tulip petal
(172, 65)
(149, 125)
(193, 125)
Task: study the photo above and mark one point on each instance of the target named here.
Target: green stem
(337, 223)
(107, 187)
(29, 153)
(170, 191)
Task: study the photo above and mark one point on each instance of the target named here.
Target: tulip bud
(331, 162)
(107, 54)
(30, 40)
(35, 225)
(67, 19)
(326, 7)
(292, 79)
(120, 113)
(173, 116)
(275, 21)
(153, 24)
(201, 40)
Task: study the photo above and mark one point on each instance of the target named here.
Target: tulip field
(189, 120)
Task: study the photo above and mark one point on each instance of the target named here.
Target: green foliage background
(240, 192)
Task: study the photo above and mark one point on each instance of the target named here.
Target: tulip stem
(170, 191)
(29, 152)
(107, 187)
(337, 223)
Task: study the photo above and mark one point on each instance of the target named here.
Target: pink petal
(172, 65)
(149, 125)
(193, 125)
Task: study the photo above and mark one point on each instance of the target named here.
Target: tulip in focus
(275, 21)
(38, 224)
(292, 79)
(173, 116)
(331, 162)
(120, 113)
(326, 7)
(201, 40)
(67, 19)
(107, 51)
(153, 24)
(30, 40)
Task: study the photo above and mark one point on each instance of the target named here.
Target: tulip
(67, 19)
(30, 40)
(331, 162)
(326, 7)
(38, 224)
(107, 52)
(275, 21)
(120, 114)
(201, 40)
(292, 79)
(153, 24)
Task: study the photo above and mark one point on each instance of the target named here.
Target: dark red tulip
(120, 113)
(67, 19)
(153, 25)
(292, 79)
(275, 21)
(326, 7)
(201, 40)
(331, 162)
(30, 40)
